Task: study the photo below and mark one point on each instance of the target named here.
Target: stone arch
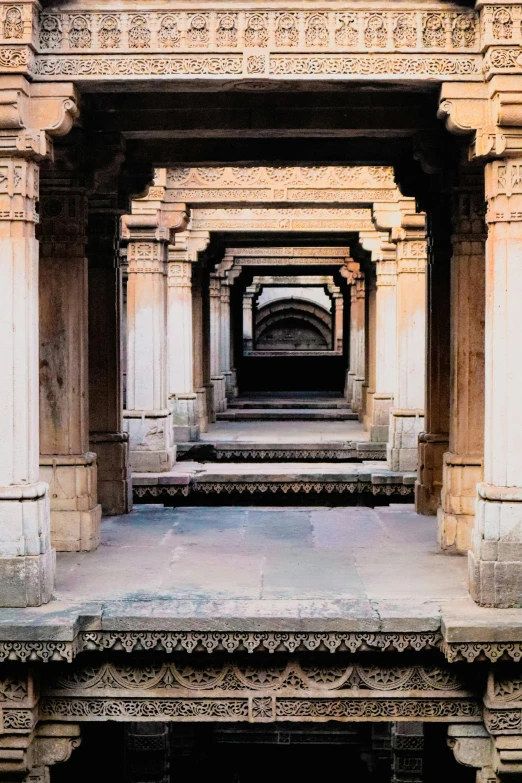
(311, 323)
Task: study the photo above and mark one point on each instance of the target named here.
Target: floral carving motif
(256, 64)
(375, 31)
(139, 33)
(502, 24)
(346, 33)
(226, 34)
(50, 31)
(256, 33)
(404, 32)
(198, 32)
(80, 36)
(434, 33)
(463, 33)
(13, 23)
(169, 33)
(317, 30)
(286, 33)
(109, 32)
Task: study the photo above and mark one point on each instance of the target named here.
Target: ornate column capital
(492, 111)
(30, 114)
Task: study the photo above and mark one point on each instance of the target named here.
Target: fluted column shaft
(464, 458)
(65, 460)
(148, 419)
(407, 416)
(496, 557)
(385, 348)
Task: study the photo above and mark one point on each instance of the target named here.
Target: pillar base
(75, 512)
(429, 482)
(27, 561)
(229, 386)
(210, 403)
(150, 440)
(495, 562)
(456, 516)
(235, 387)
(368, 408)
(201, 405)
(220, 395)
(28, 580)
(185, 417)
(405, 427)
(357, 394)
(380, 423)
(348, 386)
(114, 478)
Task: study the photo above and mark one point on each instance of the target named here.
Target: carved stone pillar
(182, 399)
(407, 417)
(147, 418)
(433, 442)
(108, 201)
(350, 373)
(66, 463)
(198, 353)
(463, 461)
(369, 351)
(226, 365)
(248, 319)
(338, 321)
(496, 558)
(216, 375)
(359, 344)
(26, 556)
(385, 348)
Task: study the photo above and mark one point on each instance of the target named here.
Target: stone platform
(190, 579)
(287, 414)
(253, 451)
(366, 483)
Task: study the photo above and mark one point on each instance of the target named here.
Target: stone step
(282, 414)
(288, 405)
(297, 484)
(234, 451)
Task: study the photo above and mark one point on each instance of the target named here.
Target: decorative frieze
(289, 690)
(435, 29)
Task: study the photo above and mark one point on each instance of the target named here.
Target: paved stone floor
(263, 555)
(285, 432)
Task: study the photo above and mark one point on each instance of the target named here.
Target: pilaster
(338, 321)
(217, 377)
(358, 324)
(147, 417)
(28, 114)
(226, 342)
(463, 461)
(434, 440)
(407, 417)
(66, 463)
(369, 349)
(385, 344)
(200, 359)
(248, 319)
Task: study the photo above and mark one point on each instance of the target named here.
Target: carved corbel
(473, 747)
(30, 114)
(54, 743)
(175, 217)
(491, 111)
